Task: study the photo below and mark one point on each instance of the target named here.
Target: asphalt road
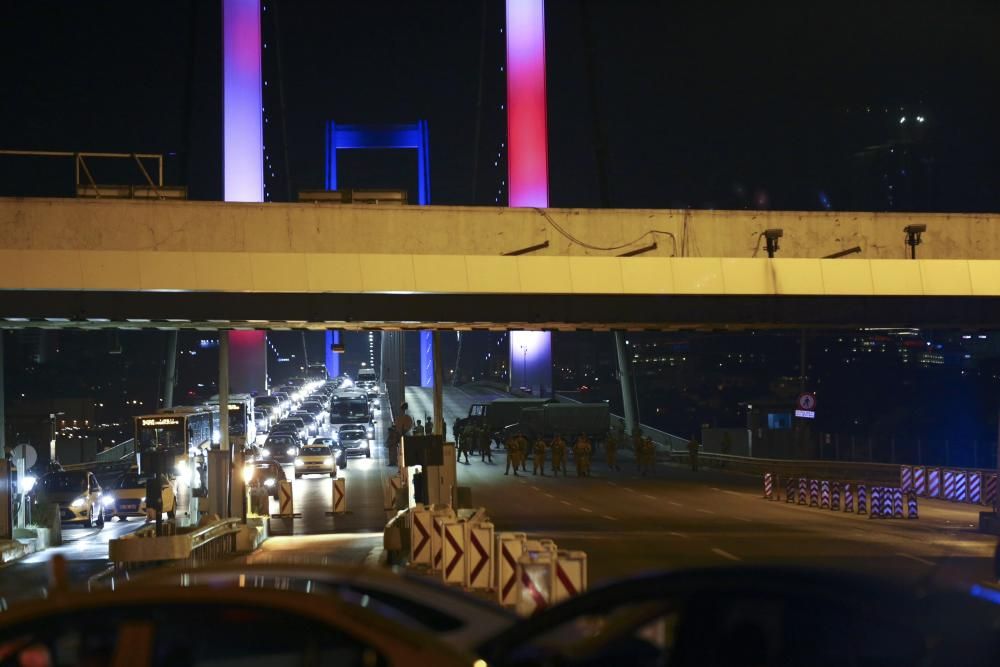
(677, 518)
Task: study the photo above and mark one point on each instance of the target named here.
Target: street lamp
(52, 431)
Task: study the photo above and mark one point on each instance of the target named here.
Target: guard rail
(205, 543)
(884, 473)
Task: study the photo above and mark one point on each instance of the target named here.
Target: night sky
(708, 104)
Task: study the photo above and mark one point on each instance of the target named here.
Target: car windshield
(315, 450)
(64, 481)
(130, 480)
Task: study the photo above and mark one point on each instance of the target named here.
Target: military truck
(539, 417)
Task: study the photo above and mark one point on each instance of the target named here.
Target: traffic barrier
(933, 482)
(824, 496)
(453, 550)
(789, 490)
(260, 502)
(769, 486)
(420, 535)
(848, 497)
(339, 495)
(835, 497)
(509, 547)
(905, 478)
(949, 484)
(911, 505)
(535, 577)
(571, 575)
(802, 490)
(479, 571)
(813, 493)
(990, 497)
(961, 486)
(876, 508)
(975, 486)
(439, 514)
(886, 503)
(286, 503)
(862, 499)
(897, 503)
(920, 481)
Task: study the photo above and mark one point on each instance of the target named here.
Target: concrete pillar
(438, 384)
(170, 376)
(625, 377)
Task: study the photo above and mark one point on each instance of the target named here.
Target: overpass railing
(661, 438)
(869, 472)
(118, 452)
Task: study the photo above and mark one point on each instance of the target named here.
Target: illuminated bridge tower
(243, 158)
(527, 164)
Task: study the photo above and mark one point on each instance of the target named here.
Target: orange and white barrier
(420, 535)
(454, 545)
(339, 495)
(479, 568)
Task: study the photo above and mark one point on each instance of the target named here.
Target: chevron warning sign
(339, 496)
(571, 575)
(479, 573)
(535, 575)
(453, 551)
(420, 536)
(509, 547)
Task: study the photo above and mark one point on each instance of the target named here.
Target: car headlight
(107, 501)
(269, 482)
(78, 503)
(328, 461)
(265, 452)
(143, 499)
(290, 451)
(27, 483)
(298, 462)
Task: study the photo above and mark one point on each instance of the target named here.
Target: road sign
(420, 535)
(480, 568)
(26, 452)
(285, 498)
(806, 402)
(453, 549)
(339, 495)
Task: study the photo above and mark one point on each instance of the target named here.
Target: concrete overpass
(95, 263)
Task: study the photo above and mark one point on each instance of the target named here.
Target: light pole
(52, 431)
(524, 365)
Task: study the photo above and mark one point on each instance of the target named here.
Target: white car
(128, 498)
(76, 492)
(316, 459)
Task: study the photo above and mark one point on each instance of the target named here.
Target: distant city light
(920, 119)
(902, 120)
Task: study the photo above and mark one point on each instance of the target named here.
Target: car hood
(131, 494)
(61, 497)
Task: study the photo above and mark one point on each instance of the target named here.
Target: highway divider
(886, 502)
(974, 486)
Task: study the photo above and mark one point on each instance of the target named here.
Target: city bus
(185, 434)
(242, 427)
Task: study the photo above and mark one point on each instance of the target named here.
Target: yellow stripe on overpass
(248, 272)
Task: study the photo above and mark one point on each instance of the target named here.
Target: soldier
(693, 453)
(648, 455)
(558, 455)
(539, 459)
(611, 451)
(464, 444)
(581, 456)
(523, 448)
(512, 454)
(484, 444)
(419, 428)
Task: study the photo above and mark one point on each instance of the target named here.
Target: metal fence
(118, 452)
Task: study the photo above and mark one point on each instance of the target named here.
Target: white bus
(242, 427)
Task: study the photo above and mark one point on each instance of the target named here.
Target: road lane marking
(916, 558)
(549, 495)
(629, 489)
(535, 488)
(724, 554)
(715, 488)
(743, 518)
(732, 493)
(612, 483)
(704, 511)
(680, 535)
(675, 504)
(646, 495)
(565, 502)
(584, 509)
(609, 518)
